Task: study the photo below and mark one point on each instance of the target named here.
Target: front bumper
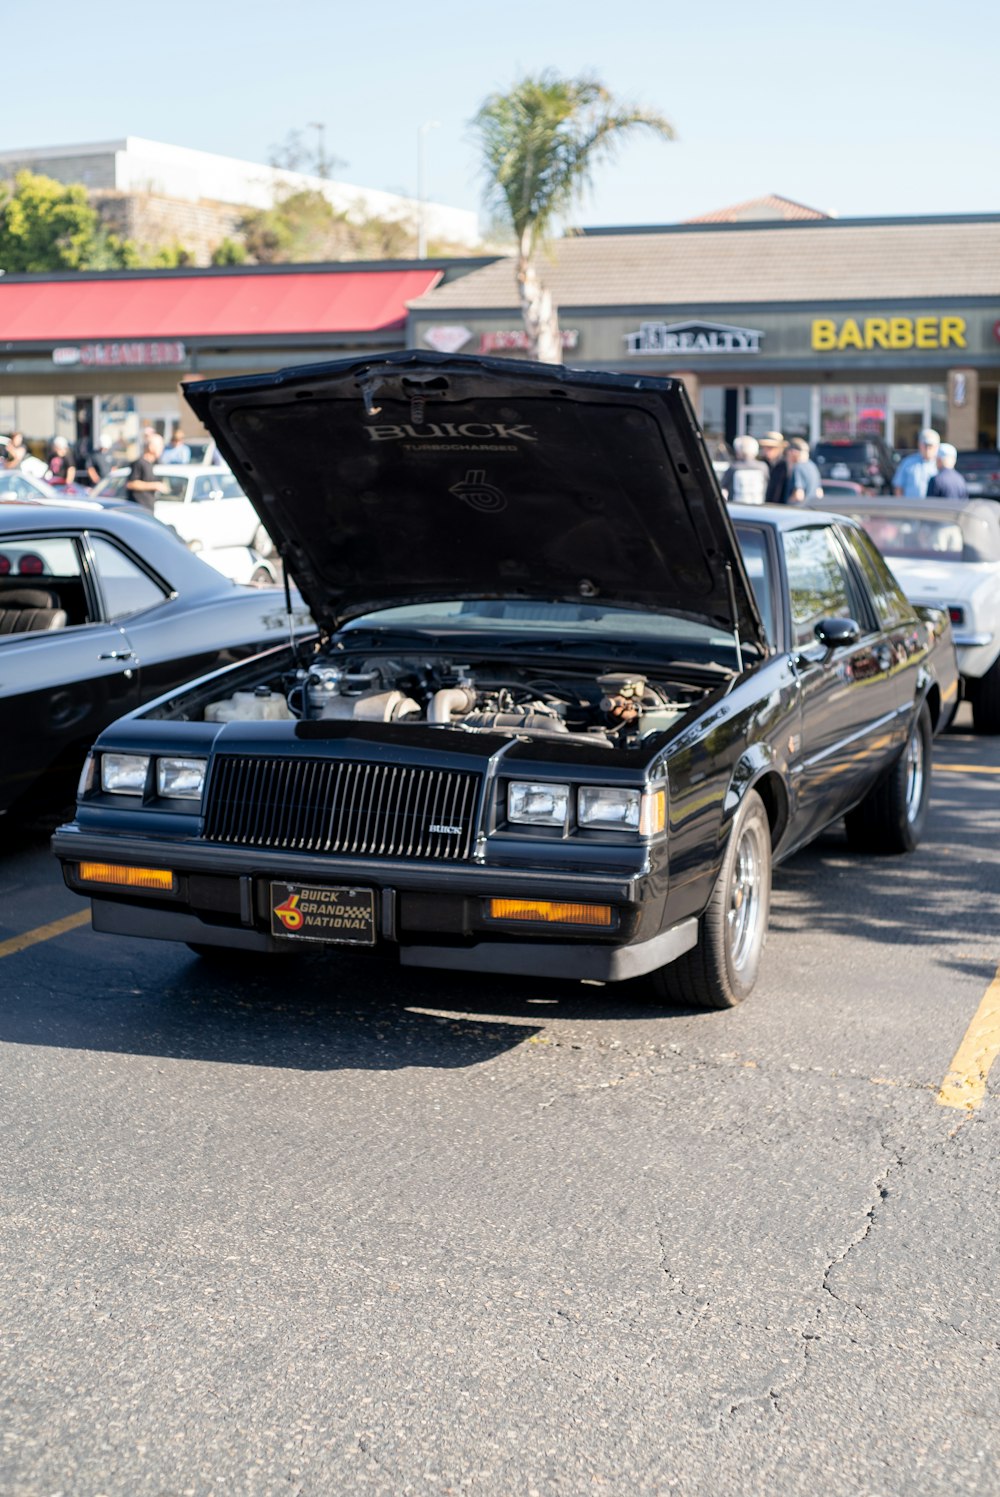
(428, 913)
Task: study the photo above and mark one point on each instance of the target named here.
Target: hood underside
(416, 476)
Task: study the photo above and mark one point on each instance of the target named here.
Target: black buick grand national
(564, 710)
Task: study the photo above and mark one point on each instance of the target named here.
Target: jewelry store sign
(168, 354)
(697, 338)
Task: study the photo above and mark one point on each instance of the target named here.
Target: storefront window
(836, 411)
(713, 418)
(796, 403)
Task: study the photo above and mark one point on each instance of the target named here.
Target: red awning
(230, 306)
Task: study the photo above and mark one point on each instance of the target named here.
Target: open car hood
(417, 476)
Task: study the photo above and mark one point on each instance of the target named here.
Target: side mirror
(835, 634)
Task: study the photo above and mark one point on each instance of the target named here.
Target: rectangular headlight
(124, 774)
(608, 808)
(180, 779)
(537, 805)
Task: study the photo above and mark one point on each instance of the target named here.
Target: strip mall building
(89, 353)
(822, 327)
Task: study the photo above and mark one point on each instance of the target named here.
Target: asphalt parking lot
(329, 1227)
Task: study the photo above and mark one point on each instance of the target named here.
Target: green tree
(305, 226)
(540, 144)
(47, 225)
(229, 252)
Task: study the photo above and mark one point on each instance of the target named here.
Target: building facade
(822, 328)
(86, 353)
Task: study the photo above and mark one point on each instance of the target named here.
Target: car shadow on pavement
(324, 1011)
(937, 896)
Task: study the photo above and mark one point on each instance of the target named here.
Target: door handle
(117, 655)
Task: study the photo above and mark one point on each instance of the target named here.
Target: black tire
(892, 816)
(262, 542)
(722, 969)
(986, 702)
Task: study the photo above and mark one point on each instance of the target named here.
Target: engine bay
(612, 708)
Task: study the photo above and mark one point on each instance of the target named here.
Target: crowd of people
(771, 471)
(774, 470)
(87, 463)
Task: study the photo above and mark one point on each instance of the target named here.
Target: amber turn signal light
(127, 878)
(549, 911)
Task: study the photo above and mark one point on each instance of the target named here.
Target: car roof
(155, 544)
(785, 516)
(182, 470)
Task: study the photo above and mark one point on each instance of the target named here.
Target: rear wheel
(892, 815)
(986, 702)
(722, 969)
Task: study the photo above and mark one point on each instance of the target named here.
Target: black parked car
(101, 611)
(981, 471)
(864, 460)
(557, 721)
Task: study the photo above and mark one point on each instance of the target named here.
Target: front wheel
(722, 969)
(892, 815)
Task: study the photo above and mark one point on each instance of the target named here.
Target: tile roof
(772, 205)
(834, 260)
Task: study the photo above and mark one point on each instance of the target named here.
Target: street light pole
(321, 167)
(421, 194)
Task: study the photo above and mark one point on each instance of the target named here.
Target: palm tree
(540, 144)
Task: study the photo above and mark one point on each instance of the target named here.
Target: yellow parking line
(969, 768)
(965, 1084)
(44, 932)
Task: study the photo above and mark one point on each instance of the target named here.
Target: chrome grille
(341, 806)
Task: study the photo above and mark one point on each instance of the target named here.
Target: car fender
(759, 768)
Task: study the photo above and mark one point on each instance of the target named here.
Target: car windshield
(177, 485)
(979, 462)
(841, 452)
(914, 536)
(561, 624)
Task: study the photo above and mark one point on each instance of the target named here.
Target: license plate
(313, 912)
(840, 470)
(973, 488)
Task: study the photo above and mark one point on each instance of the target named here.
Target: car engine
(612, 708)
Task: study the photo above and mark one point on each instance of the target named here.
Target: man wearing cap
(772, 450)
(915, 472)
(946, 483)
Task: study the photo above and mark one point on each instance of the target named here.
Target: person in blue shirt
(915, 472)
(177, 450)
(803, 482)
(946, 483)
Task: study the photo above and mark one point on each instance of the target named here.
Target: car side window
(127, 588)
(41, 584)
(753, 545)
(818, 583)
(891, 604)
(230, 487)
(204, 487)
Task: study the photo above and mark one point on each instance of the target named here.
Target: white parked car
(946, 553)
(205, 505)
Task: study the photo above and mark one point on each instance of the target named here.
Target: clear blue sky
(859, 108)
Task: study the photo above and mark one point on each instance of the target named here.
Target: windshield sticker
(478, 494)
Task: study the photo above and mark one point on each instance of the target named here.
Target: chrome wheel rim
(746, 897)
(914, 774)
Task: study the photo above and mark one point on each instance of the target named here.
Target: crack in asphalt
(806, 1335)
